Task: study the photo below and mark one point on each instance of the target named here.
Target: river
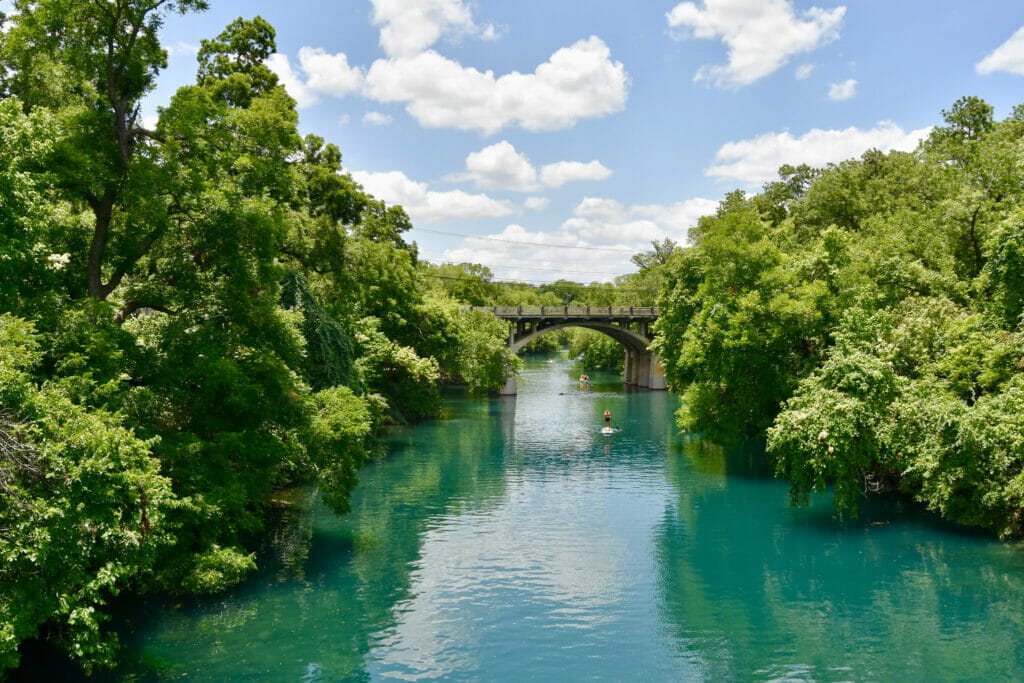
(510, 540)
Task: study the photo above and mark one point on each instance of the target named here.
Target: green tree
(598, 350)
(84, 509)
(92, 62)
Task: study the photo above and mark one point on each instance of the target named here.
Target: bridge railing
(570, 311)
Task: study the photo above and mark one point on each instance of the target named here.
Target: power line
(531, 244)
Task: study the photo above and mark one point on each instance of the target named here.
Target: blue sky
(571, 134)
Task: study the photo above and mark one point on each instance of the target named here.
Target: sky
(555, 139)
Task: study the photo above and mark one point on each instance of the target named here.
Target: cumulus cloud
(1008, 57)
(426, 206)
(521, 254)
(324, 74)
(761, 35)
(408, 27)
(839, 92)
(601, 220)
(595, 243)
(536, 203)
(577, 82)
(377, 118)
(757, 160)
(804, 71)
(501, 167)
(562, 172)
(677, 218)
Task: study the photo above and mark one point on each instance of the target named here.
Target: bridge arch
(628, 325)
(630, 340)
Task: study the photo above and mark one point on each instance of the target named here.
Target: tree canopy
(867, 319)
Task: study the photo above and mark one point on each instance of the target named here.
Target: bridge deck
(567, 312)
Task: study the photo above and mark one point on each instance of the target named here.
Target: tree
(85, 509)
(100, 58)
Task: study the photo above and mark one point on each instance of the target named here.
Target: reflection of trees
(797, 594)
(343, 576)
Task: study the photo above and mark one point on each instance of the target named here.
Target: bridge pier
(644, 369)
(511, 387)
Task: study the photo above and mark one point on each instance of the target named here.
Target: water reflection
(796, 594)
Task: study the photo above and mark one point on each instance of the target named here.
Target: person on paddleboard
(607, 418)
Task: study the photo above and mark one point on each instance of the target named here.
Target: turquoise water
(511, 541)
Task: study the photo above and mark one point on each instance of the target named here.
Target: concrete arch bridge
(630, 326)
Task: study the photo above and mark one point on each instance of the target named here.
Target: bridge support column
(657, 374)
(644, 369)
(511, 387)
(629, 375)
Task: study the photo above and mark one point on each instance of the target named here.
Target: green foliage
(483, 360)
(217, 568)
(1004, 271)
(398, 373)
(597, 350)
(965, 461)
(336, 441)
(84, 512)
(866, 317)
(742, 321)
(193, 289)
(26, 272)
(829, 430)
(467, 283)
(330, 357)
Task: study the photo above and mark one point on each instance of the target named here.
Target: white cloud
(839, 92)
(595, 243)
(1007, 57)
(426, 206)
(521, 254)
(536, 203)
(761, 35)
(600, 220)
(678, 217)
(377, 118)
(501, 167)
(577, 82)
(562, 172)
(180, 48)
(329, 74)
(325, 74)
(490, 33)
(408, 27)
(804, 71)
(757, 160)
